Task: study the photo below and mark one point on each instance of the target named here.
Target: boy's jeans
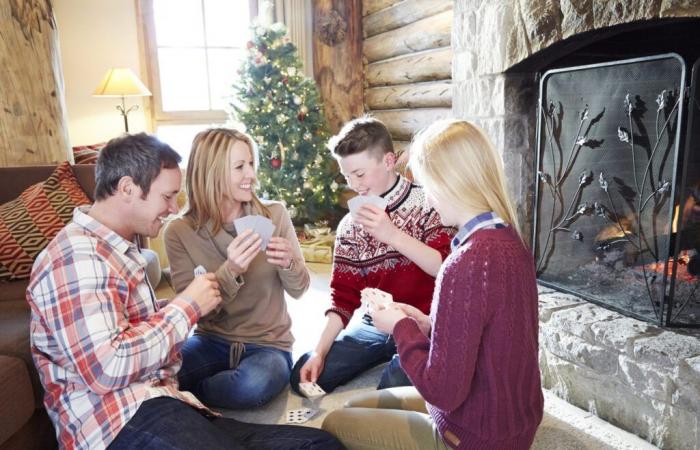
(353, 352)
(262, 373)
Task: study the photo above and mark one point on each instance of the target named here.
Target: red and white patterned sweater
(360, 261)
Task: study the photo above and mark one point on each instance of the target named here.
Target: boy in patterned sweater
(398, 250)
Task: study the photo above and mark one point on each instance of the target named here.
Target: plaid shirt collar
(485, 220)
(81, 217)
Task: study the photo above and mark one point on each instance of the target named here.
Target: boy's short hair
(358, 135)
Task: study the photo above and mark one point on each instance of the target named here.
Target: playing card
(372, 298)
(311, 390)
(356, 202)
(264, 227)
(199, 270)
(244, 223)
(300, 415)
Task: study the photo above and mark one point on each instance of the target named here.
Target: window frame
(150, 65)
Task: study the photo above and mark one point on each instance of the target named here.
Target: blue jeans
(167, 423)
(353, 352)
(261, 374)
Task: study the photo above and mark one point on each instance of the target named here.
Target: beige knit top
(253, 310)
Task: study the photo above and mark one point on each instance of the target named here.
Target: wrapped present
(317, 244)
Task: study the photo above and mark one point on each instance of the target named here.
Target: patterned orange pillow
(30, 221)
(87, 154)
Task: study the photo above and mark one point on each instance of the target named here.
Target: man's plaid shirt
(101, 342)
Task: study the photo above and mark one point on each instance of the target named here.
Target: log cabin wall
(33, 126)
(408, 56)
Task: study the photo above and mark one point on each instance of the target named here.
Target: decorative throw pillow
(87, 154)
(29, 222)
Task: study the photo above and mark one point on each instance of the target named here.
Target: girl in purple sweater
(473, 361)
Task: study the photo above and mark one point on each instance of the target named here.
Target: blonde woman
(240, 354)
(473, 360)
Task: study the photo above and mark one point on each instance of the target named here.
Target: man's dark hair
(358, 135)
(139, 156)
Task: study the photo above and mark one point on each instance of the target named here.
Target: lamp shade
(121, 82)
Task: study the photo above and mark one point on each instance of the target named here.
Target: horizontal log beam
(431, 32)
(401, 14)
(404, 123)
(372, 6)
(428, 65)
(418, 95)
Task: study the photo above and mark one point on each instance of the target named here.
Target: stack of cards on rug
(199, 270)
(373, 298)
(311, 390)
(259, 224)
(356, 202)
(300, 415)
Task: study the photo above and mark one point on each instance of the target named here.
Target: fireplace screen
(618, 194)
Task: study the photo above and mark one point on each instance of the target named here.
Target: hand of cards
(357, 202)
(259, 224)
(375, 299)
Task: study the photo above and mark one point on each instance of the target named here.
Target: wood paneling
(404, 123)
(417, 95)
(428, 65)
(33, 127)
(402, 14)
(372, 6)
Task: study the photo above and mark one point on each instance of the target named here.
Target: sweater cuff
(406, 329)
(344, 315)
(188, 307)
(229, 284)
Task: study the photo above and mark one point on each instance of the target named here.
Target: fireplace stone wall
(642, 378)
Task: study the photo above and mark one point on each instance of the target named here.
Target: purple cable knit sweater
(478, 371)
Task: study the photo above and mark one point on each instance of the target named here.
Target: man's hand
(386, 317)
(416, 314)
(376, 222)
(312, 368)
(204, 290)
(241, 251)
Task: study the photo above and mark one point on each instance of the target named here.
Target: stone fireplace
(639, 376)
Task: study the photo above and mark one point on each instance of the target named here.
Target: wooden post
(338, 62)
(33, 127)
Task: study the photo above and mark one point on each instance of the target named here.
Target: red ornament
(276, 163)
(285, 80)
(249, 44)
(301, 116)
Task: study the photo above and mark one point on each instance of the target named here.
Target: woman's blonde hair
(209, 173)
(455, 160)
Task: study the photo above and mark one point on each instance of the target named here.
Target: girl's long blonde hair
(455, 160)
(209, 173)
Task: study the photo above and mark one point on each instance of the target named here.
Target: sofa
(24, 423)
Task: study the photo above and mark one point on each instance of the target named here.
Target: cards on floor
(259, 224)
(311, 390)
(356, 202)
(374, 298)
(300, 415)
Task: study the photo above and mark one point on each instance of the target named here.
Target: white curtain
(297, 15)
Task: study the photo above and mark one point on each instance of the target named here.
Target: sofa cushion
(14, 338)
(87, 154)
(16, 397)
(29, 222)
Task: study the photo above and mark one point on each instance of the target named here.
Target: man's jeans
(262, 373)
(168, 423)
(355, 351)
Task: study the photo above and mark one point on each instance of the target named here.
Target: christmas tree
(280, 108)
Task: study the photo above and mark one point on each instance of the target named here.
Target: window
(193, 49)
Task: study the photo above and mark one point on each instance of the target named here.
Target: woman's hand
(376, 222)
(279, 252)
(385, 319)
(416, 314)
(241, 251)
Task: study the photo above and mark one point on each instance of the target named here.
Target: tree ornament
(276, 163)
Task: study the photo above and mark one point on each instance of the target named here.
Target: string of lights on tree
(280, 108)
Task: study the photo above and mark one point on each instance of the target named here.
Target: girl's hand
(385, 319)
(279, 252)
(241, 251)
(416, 314)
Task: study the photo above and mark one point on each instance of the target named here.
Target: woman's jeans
(168, 423)
(262, 373)
(353, 352)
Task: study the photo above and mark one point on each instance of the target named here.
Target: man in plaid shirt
(107, 351)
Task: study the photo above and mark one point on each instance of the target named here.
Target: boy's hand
(242, 250)
(377, 223)
(385, 319)
(416, 314)
(312, 368)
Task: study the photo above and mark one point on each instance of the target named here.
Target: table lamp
(122, 82)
